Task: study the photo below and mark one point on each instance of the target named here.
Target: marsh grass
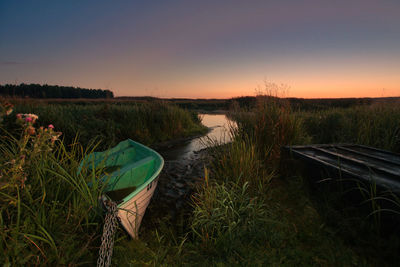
(239, 162)
(54, 216)
(148, 123)
(270, 124)
(49, 214)
(376, 125)
(224, 215)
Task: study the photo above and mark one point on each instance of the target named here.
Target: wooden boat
(131, 172)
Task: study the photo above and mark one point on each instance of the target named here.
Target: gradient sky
(204, 49)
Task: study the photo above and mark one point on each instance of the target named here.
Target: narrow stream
(184, 167)
(219, 130)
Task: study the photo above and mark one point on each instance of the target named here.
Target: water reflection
(219, 125)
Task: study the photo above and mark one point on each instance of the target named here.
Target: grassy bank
(110, 123)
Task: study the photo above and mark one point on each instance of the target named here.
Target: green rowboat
(131, 171)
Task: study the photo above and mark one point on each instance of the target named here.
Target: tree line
(52, 91)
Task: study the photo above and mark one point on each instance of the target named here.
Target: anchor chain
(107, 239)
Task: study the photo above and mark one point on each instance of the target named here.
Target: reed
(148, 123)
(224, 215)
(49, 214)
(270, 124)
(377, 125)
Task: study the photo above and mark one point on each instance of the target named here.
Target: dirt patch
(176, 184)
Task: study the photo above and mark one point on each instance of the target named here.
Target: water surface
(219, 130)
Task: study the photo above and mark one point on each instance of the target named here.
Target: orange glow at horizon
(299, 88)
(305, 91)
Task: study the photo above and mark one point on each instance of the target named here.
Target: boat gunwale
(155, 174)
(113, 175)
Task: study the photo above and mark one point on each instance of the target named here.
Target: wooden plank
(378, 166)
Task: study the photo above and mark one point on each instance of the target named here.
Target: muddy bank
(176, 183)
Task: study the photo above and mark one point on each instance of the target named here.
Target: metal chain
(107, 240)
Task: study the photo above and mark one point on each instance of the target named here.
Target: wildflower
(30, 130)
(19, 116)
(34, 116)
(51, 126)
(28, 117)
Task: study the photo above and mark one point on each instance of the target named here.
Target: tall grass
(148, 123)
(377, 125)
(270, 124)
(224, 215)
(53, 216)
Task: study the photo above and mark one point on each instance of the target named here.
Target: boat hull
(132, 211)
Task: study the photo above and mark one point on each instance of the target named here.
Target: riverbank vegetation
(110, 123)
(246, 211)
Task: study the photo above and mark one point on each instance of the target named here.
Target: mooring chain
(107, 240)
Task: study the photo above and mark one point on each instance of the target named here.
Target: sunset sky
(204, 49)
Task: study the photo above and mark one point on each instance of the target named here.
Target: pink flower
(19, 116)
(28, 119)
(51, 126)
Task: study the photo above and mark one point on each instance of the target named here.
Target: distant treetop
(52, 91)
